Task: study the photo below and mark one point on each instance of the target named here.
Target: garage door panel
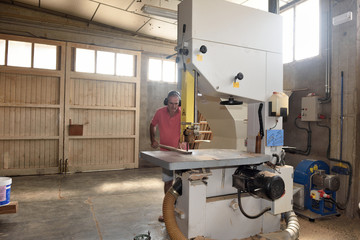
(27, 154)
(101, 152)
(29, 89)
(31, 114)
(36, 111)
(104, 122)
(87, 92)
(25, 122)
(107, 108)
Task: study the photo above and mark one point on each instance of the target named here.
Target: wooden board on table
(9, 208)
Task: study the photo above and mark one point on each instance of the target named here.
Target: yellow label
(188, 60)
(199, 57)
(236, 84)
(311, 170)
(316, 167)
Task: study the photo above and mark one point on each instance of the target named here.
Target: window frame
(97, 49)
(162, 71)
(294, 6)
(33, 41)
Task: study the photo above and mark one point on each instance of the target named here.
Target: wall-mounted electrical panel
(310, 108)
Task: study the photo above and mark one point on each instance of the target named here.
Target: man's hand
(183, 145)
(154, 144)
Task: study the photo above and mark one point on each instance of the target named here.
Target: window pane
(155, 69)
(105, 62)
(169, 71)
(19, 54)
(85, 60)
(307, 30)
(45, 56)
(258, 4)
(2, 51)
(124, 65)
(288, 35)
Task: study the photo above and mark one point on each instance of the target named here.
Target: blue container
(5, 188)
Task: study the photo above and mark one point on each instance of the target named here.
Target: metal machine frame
(227, 51)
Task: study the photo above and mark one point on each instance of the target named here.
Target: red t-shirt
(169, 127)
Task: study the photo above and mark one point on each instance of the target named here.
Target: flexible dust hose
(168, 211)
(293, 226)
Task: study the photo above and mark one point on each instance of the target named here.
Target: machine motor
(321, 180)
(263, 184)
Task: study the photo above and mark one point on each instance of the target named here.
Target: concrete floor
(114, 205)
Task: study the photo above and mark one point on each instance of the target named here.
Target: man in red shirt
(168, 119)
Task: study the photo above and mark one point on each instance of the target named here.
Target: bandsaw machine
(229, 54)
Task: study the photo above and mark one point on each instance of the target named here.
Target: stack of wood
(205, 132)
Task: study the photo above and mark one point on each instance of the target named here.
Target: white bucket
(5, 188)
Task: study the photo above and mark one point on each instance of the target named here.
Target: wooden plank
(67, 81)
(38, 72)
(12, 122)
(2, 121)
(9, 138)
(12, 93)
(2, 155)
(6, 122)
(29, 171)
(27, 154)
(9, 208)
(2, 87)
(175, 149)
(6, 149)
(41, 156)
(21, 153)
(54, 155)
(22, 121)
(8, 90)
(81, 92)
(27, 92)
(76, 92)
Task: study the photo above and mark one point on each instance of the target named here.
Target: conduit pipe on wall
(327, 97)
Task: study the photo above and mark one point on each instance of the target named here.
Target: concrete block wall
(345, 58)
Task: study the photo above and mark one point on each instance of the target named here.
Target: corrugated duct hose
(293, 226)
(168, 211)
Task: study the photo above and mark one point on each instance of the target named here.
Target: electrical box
(310, 108)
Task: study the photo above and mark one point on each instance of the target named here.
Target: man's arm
(154, 143)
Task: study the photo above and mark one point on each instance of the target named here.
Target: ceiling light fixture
(160, 12)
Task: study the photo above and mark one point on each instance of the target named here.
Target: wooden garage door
(101, 108)
(36, 113)
(31, 105)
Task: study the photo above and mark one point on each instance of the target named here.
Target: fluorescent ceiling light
(158, 11)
